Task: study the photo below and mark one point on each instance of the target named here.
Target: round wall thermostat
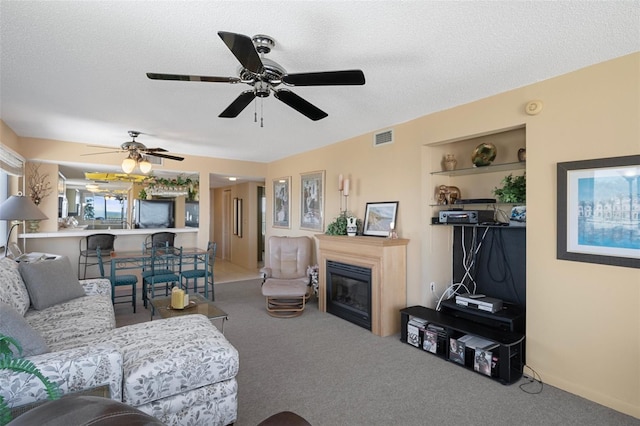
(533, 107)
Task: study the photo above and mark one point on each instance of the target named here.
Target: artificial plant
(9, 362)
(339, 225)
(513, 190)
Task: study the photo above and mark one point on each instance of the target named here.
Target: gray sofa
(179, 370)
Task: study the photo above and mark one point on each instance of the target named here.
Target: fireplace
(386, 259)
(349, 292)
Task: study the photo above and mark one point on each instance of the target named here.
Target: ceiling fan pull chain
(261, 112)
(255, 110)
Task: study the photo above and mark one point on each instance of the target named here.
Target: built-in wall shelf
(504, 167)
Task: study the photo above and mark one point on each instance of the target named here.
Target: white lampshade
(128, 164)
(145, 166)
(19, 207)
(16, 208)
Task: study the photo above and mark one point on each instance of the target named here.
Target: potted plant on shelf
(513, 190)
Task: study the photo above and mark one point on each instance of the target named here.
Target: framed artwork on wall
(281, 204)
(599, 211)
(380, 218)
(312, 201)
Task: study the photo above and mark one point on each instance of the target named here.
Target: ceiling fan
(137, 154)
(265, 75)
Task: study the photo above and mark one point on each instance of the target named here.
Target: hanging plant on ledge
(173, 187)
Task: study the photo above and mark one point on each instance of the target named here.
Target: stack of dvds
(415, 331)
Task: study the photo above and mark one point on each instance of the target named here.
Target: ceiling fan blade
(243, 49)
(327, 78)
(181, 77)
(167, 156)
(238, 104)
(99, 146)
(105, 152)
(300, 105)
(150, 150)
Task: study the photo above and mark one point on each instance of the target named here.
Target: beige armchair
(285, 280)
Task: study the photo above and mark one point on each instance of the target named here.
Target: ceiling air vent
(154, 160)
(383, 138)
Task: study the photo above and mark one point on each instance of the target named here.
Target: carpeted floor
(335, 373)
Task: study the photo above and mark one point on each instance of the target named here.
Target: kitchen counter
(67, 242)
(80, 232)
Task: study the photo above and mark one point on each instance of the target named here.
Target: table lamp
(18, 208)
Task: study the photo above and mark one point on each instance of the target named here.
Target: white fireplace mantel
(387, 259)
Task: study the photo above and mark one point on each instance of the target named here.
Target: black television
(154, 214)
(496, 258)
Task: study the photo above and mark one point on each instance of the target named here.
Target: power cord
(500, 215)
(468, 260)
(531, 380)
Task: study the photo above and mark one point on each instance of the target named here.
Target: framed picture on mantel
(599, 211)
(380, 218)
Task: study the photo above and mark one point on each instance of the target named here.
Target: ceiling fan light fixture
(128, 165)
(145, 166)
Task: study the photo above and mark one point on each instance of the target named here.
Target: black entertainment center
(489, 260)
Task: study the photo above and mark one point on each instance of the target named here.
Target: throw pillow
(50, 282)
(13, 325)
(13, 292)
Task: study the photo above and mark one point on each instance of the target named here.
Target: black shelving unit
(508, 353)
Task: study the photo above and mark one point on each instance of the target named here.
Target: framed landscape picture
(312, 201)
(281, 204)
(599, 211)
(380, 218)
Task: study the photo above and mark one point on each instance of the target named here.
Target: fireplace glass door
(349, 292)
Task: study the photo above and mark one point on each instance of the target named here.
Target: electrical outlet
(432, 287)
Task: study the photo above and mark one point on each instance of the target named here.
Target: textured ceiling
(75, 70)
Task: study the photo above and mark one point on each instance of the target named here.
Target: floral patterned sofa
(179, 370)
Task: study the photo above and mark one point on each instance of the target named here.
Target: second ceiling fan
(265, 76)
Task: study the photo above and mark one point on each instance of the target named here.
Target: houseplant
(339, 225)
(513, 190)
(9, 362)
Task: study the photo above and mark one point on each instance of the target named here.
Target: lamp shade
(145, 166)
(128, 164)
(19, 207)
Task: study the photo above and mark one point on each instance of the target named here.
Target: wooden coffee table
(201, 306)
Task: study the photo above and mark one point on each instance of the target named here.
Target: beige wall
(583, 320)
(8, 137)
